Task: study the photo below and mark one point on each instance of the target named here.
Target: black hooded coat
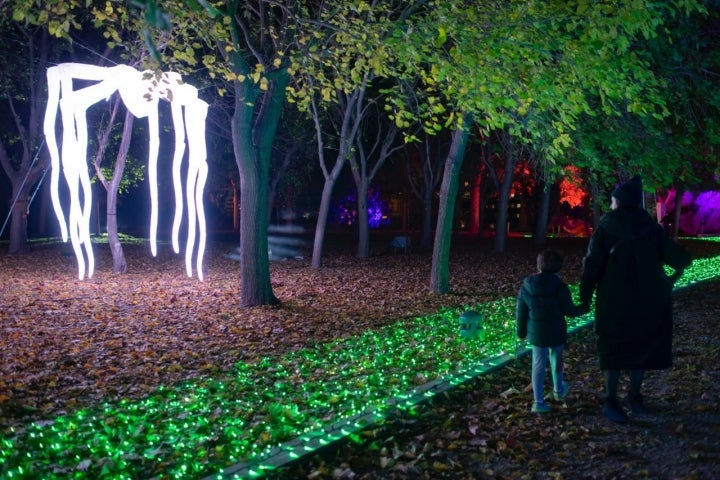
(633, 308)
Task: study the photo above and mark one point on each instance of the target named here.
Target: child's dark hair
(549, 261)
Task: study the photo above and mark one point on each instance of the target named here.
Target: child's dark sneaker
(541, 408)
(613, 411)
(563, 393)
(635, 403)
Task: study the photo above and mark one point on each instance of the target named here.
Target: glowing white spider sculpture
(140, 92)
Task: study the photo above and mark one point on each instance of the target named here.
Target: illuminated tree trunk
(349, 124)
(440, 268)
(253, 132)
(118, 256)
(475, 204)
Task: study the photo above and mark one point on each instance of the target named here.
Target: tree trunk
(18, 222)
(363, 223)
(503, 201)
(542, 216)
(426, 236)
(440, 268)
(112, 186)
(348, 132)
(677, 211)
(253, 133)
(21, 181)
(254, 257)
(431, 168)
(27, 128)
(322, 219)
(475, 204)
(118, 256)
(380, 148)
(97, 204)
(272, 188)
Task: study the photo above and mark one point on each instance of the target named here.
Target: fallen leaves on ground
(68, 343)
(484, 428)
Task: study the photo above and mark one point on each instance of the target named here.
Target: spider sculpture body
(140, 92)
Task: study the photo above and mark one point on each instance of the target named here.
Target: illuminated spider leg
(195, 114)
(199, 189)
(73, 108)
(90, 95)
(152, 175)
(179, 127)
(58, 77)
(84, 203)
(51, 111)
(202, 177)
(140, 91)
(70, 158)
(72, 178)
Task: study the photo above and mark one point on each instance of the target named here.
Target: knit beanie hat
(629, 194)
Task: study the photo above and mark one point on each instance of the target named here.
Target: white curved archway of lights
(140, 92)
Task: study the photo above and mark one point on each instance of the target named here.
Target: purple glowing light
(346, 210)
(700, 212)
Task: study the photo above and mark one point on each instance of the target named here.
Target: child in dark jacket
(542, 304)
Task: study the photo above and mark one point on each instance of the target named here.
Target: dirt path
(67, 344)
(484, 428)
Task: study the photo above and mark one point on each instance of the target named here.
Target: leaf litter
(69, 344)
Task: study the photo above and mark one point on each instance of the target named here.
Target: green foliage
(536, 68)
(133, 174)
(679, 134)
(59, 17)
(344, 56)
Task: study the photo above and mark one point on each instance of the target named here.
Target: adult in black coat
(633, 308)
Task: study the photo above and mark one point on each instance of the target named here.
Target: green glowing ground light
(275, 410)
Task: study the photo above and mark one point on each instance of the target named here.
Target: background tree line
(613, 88)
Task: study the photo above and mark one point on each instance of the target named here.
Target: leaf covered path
(484, 430)
(68, 344)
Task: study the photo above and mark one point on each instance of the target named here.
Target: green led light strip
(703, 269)
(275, 410)
(312, 441)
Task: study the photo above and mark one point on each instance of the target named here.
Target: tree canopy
(610, 87)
